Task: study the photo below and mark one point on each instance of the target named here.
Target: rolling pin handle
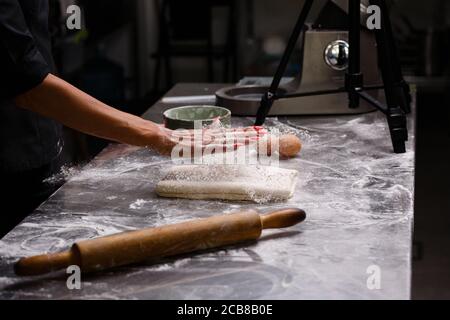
(43, 264)
(282, 218)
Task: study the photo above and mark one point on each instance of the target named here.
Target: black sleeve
(22, 66)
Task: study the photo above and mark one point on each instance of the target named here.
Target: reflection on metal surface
(337, 54)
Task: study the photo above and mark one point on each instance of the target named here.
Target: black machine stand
(398, 98)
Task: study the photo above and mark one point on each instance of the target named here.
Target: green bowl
(186, 117)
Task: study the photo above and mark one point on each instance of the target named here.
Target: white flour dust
(138, 204)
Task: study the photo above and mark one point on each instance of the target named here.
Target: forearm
(57, 99)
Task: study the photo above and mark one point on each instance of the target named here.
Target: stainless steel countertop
(358, 196)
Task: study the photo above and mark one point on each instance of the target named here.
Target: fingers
(194, 150)
(238, 131)
(214, 140)
(216, 134)
(221, 131)
(211, 140)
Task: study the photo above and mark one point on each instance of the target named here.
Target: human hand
(216, 140)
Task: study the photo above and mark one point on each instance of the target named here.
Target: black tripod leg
(268, 99)
(403, 87)
(394, 94)
(353, 77)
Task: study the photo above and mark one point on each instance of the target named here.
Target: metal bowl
(192, 117)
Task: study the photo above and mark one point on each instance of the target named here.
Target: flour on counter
(138, 204)
(356, 192)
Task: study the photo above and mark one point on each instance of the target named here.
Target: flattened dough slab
(228, 182)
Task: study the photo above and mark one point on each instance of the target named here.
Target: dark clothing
(25, 45)
(27, 140)
(21, 193)
(29, 143)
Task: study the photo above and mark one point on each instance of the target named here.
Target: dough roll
(228, 182)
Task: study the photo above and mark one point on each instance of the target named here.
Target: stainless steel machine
(324, 64)
(344, 68)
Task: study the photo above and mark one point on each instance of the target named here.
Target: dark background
(115, 56)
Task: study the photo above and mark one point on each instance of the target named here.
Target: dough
(228, 182)
(288, 146)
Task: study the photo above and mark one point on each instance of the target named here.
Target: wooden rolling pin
(153, 243)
